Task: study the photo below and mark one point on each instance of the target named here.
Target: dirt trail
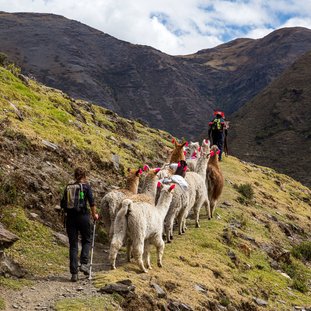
(43, 294)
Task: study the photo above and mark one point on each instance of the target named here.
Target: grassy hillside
(261, 228)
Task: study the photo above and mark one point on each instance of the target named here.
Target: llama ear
(184, 144)
(139, 172)
(172, 187)
(157, 170)
(146, 168)
(159, 185)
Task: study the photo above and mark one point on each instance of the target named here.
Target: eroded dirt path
(45, 292)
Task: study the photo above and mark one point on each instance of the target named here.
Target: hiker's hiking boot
(74, 277)
(85, 269)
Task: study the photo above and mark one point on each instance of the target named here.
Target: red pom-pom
(159, 185)
(212, 153)
(157, 170)
(185, 152)
(185, 168)
(146, 167)
(172, 187)
(140, 171)
(186, 144)
(179, 164)
(173, 140)
(218, 152)
(199, 149)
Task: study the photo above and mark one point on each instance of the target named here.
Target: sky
(176, 27)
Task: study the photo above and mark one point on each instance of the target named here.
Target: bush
(246, 191)
(3, 59)
(302, 251)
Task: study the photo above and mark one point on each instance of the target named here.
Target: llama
(214, 178)
(194, 153)
(143, 223)
(111, 202)
(178, 152)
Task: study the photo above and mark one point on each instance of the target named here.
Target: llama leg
(138, 249)
(208, 209)
(129, 250)
(147, 255)
(213, 204)
(160, 250)
(114, 248)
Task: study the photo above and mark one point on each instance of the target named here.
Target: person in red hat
(216, 130)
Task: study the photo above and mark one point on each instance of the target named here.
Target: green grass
(105, 302)
(2, 304)
(15, 284)
(36, 250)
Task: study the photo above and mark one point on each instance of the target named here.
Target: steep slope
(236, 261)
(274, 129)
(171, 93)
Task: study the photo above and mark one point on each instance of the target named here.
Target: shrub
(3, 59)
(246, 191)
(302, 251)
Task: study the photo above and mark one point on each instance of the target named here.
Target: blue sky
(176, 26)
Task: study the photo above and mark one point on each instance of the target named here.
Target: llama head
(178, 152)
(214, 151)
(134, 172)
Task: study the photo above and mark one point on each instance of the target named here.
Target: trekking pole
(92, 250)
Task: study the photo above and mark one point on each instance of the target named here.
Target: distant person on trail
(74, 204)
(217, 132)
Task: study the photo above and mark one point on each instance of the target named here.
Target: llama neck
(202, 166)
(213, 161)
(150, 186)
(132, 184)
(163, 203)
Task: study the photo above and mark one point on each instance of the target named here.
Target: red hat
(221, 113)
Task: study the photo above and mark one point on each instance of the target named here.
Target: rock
(9, 267)
(61, 238)
(49, 145)
(127, 282)
(15, 306)
(284, 274)
(227, 203)
(119, 288)
(178, 306)
(260, 302)
(116, 161)
(200, 288)
(7, 238)
(34, 215)
(160, 292)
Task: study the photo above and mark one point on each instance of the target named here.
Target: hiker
(74, 203)
(218, 131)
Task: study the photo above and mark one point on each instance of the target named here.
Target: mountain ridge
(176, 93)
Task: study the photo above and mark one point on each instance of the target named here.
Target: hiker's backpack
(217, 124)
(75, 197)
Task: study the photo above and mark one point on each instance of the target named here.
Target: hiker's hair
(79, 173)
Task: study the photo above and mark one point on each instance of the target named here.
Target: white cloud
(192, 24)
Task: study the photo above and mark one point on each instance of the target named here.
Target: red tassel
(212, 153)
(140, 171)
(185, 152)
(179, 165)
(159, 185)
(172, 187)
(186, 144)
(218, 152)
(199, 149)
(173, 140)
(146, 168)
(185, 168)
(157, 170)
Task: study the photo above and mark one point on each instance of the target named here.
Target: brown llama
(214, 178)
(178, 152)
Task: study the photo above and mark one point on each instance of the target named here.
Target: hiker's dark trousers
(218, 139)
(78, 223)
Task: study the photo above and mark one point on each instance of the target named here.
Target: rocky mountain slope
(274, 129)
(172, 93)
(254, 255)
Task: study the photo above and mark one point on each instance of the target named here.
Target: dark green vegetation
(238, 255)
